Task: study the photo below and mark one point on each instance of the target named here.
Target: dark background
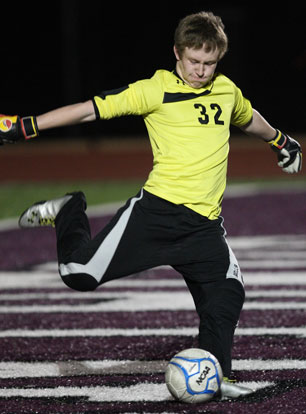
(60, 52)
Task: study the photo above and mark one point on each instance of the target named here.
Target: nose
(200, 71)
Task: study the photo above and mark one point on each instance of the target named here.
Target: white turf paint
(45, 280)
(270, 254)
(40, 279)
(274, 242)
(139, 392)
(111, 332)
(273, 264)
(102, 294)
(141, 301)
(123, 367)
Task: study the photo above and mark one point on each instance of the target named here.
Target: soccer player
(175, 218)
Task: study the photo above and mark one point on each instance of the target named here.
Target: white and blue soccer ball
(193, 376)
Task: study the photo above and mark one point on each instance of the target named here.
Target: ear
(176, 53)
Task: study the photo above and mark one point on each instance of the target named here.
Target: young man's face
(196, 66)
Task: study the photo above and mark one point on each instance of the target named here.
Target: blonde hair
(196, 29)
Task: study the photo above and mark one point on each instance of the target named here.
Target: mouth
(199, 81)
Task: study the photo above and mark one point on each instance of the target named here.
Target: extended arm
(259, 127)
(288, 151)
(67, 115)
(14, 128)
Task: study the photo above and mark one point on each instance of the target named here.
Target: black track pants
(148, 232)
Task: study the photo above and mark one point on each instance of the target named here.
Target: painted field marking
(110, 332)
(279, 242)
(282, 293)
(272, 264)
(102, 294)
(141, 301)
(139, 392)
(274, 278)
(270, 254)
(44, 280)
(122, 367)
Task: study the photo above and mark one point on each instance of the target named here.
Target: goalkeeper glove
(14, 128)
(288, 151)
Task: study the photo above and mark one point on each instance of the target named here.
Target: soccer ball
(193, 376)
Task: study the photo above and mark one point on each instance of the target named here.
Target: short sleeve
(138, 98)
(243, 111)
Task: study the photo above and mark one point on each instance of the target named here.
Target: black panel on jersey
(104, 94)
(180, 96)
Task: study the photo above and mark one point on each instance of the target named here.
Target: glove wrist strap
(29, 127)
(279, 141)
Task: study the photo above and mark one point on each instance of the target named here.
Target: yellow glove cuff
(279, 141)
(29, 127)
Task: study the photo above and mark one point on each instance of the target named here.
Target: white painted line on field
(9, 224)
(140, 392)
(274, 278)
(36, 280)
(104, 293)
(273, 242)
(268, 364)
(116, 302)
(28, 279)
(272, 264)
(274, 293)
(267, 254)
(255, 188)
(121, 367)
(273, 305)
(102, 210)
(73, 368)
(133, 301)
(50, 279)
(111, 332)
(260, 331)
(97, 332)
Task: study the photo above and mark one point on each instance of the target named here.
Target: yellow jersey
(189, 132)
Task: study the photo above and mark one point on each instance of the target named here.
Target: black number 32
(204, 119)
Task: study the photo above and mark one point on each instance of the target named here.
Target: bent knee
(81, 282)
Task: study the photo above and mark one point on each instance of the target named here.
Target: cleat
(43, 213)
(230, 389)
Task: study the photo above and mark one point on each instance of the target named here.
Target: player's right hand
(14, 128)
(9, 128)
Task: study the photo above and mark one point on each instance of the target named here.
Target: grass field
(17, 196)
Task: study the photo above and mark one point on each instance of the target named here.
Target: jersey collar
(209, 86)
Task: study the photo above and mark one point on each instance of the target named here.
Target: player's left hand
(288, 151)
